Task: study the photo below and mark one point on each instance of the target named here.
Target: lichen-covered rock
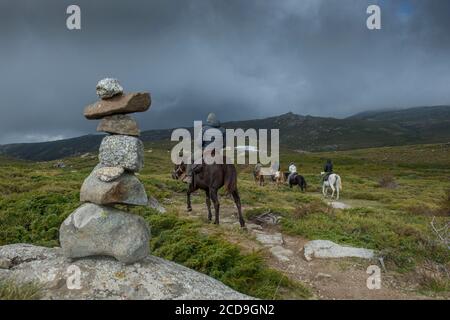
(122, 151)
(93, 230)
(126, 103)
(329, 249)
(104, 278)
(108, 88)
(108, 174)
(126, 189)
(5, 263)
(119, 124)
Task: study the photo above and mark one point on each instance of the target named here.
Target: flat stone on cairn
(96, 228)
(126, 189)
(119, 124)
(127, 103)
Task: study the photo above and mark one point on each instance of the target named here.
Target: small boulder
(329, 249)
(126, 189)
(119, 124)
(268, 239)
(122, 151)
(108, 174)
(108, 88)
(126, 103)
(5, 263)
(93, 230)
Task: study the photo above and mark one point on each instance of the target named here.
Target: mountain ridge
(418, 125)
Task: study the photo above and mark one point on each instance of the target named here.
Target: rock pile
(96, 227)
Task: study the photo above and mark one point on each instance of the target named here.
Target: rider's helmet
(212, 120)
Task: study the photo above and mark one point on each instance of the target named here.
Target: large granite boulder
(122, 151)
(105, 278)
(119, 124)
(126, 189)
(108, 88)
(93, 230)
(126, 103)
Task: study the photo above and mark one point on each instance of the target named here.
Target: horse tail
(338, 182)
(230, 178)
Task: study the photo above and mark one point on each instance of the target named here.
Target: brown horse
(211, 178)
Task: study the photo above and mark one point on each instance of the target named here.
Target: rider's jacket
(205, 142)
(328, 168)
(292, 169)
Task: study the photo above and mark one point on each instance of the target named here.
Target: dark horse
(296, 179)
(211, 178)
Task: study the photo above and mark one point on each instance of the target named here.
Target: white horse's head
(322, 173)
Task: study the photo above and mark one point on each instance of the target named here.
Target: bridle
(178, 172)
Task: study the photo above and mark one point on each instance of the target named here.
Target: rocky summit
(119, 124)
(108, 88)
(104, 278)
(126, 103)
(94, 230)
(122, 151)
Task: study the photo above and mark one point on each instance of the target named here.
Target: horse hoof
(189, 209)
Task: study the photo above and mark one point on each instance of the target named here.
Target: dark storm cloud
(239, 58)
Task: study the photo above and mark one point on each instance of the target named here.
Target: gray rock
(126, 189)
(5, 263)
(108, 174)
(122, 151)
(119, 124)
(108, 88)
(268, 239)
(127, 103)
(154, 204)
(94, 230)
(104, 278)
(329, 249)
(339, 205)
(282, 254)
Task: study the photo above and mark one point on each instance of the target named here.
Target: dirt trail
(327, 278)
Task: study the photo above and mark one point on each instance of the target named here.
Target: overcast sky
(242, 59)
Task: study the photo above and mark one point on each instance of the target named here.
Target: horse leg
(188, 195)
(215, 200)
(208, 205)
(337, 192)
(237, 201)
(333, 189)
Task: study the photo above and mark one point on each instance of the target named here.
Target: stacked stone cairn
(97, 228)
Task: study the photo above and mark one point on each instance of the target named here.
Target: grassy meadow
(394, 194)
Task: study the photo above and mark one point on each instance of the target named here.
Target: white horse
(334, 182)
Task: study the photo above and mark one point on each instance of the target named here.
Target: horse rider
(258, 167)
(211, 123)
(292, 171)
(328, 169)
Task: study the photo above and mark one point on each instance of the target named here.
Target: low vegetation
(36, 198)
(12, 290)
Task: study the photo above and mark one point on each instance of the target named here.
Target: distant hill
(363, 130)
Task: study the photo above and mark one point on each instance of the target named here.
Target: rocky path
(343, 278)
